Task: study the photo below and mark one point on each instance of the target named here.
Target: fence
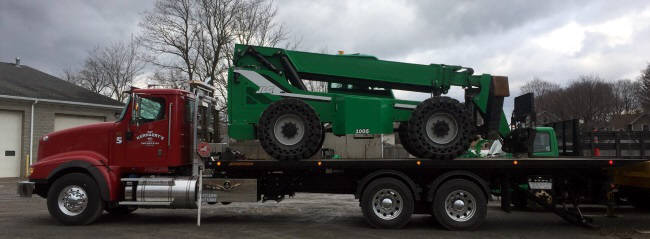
(620, 144)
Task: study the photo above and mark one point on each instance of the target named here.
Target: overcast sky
(552, 40)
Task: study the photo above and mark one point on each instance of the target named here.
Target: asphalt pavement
(304, 216)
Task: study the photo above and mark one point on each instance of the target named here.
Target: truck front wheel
(459, 204)
(387, 203)
(290, 129)
(74, 199)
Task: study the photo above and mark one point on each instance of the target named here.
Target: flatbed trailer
(570, 180)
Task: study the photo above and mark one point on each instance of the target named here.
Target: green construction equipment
(269, 101)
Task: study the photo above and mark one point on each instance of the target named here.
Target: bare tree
(169, 78)
(626, 99)
(72, 76)
(217, 21)
(109, 70)
(543, 91)
(169, 32)
(121, 65)
(539, 87)
(92, 75)
(644, 89)
(588, 98)
(197, 36)
(256, 24)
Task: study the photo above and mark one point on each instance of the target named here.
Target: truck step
(132, 203)
(151, 181)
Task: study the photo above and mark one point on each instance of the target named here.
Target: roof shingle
(25, 81)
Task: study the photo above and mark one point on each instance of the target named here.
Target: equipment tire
(402, 132)
(459, 204)
(290, 129)
(74, 199)
(440, 128)
(384, 196)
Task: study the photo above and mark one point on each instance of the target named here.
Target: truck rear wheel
(74, 199)
(459, 204)
(440, 128)
(290, 129)
(387, 203)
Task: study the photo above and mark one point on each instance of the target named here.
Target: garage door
(62, 121)
(11, 128)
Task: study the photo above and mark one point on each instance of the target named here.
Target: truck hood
(93, 137)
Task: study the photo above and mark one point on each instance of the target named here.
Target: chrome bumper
(25, 188)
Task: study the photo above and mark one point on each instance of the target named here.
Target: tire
(121, 210)
(290, 129)
(397, 193)
(440, 128)
(75, 186)
(402, 132)
(466, 216)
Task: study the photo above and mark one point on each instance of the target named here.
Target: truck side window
(542, 143)
(189, 110)
(151, 109)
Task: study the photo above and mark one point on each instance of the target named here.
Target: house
(32, 104)
(641, 123)
(545, 117)
(634, 122)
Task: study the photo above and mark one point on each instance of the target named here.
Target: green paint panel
(363, 115)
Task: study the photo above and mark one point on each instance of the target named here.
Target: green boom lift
(268, 100)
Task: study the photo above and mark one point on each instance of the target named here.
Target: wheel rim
(460, 205)
(73, 200)
(289, 129)
(441, 128)
(387, 204)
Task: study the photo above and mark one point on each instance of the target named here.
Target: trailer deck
(412, 163)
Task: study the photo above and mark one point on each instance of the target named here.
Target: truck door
(147, 134)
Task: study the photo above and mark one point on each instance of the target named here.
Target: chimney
(17, 61)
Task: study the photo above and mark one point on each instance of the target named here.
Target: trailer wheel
(402, 132)
(440, 128)
(121, 210)
(290, 129)
(459, 204)
(74, 199)
(387, 203)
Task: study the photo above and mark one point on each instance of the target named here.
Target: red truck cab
(151, 136)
